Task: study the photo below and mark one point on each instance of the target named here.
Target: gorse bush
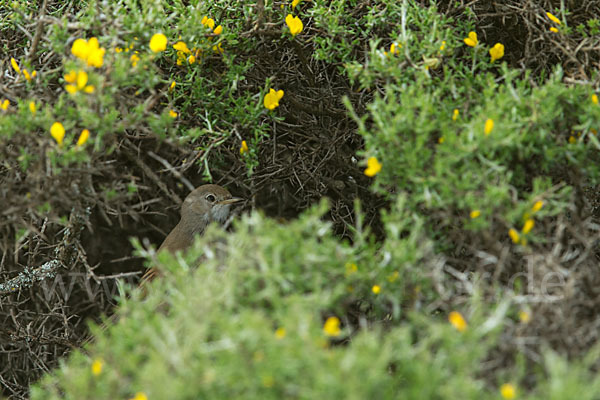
(455, 257)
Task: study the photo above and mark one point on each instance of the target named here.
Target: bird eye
(211, 198)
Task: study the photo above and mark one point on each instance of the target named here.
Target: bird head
(208, 203)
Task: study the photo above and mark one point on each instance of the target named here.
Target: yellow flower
(537, 206)
(441, 140)
(373, 167)
(85, 134)
(443, 46)
(158, 42)
(181, 46)
(294, 23)
(351, 268)
(295, 3)
(508, 391)
(595, 99)
(455, 114)
(58, 132)
(553, 29)
(475, 213)
(172, 114)
(457, 321)
(471, 40)
(528, 226)
(4, 105)
(280, 333)
(497, 52)
(514, 235)
(139, 396)
(134, 59)
(15, 65)
(553, 18)
(218, 30)
(243, 147)
(572, 139)
(192, 59)
(524, 316)
(32, 107)
(272, 98)
(118, 49)
(489, 125)
(89, 51)
(332, 326)
(376, 289)
(97, 367)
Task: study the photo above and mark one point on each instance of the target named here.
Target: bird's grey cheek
(220, 213)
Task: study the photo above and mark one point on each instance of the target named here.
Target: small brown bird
(202, 206)
(205, 204)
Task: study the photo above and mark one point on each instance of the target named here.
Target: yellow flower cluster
(25, 73)
(555, 20)
(77, 81)
(135, 58)
(528, 225)
(496, 52)
(210, 23)
(455, 114)
(89, 51)
(4, 104)
(57, 131)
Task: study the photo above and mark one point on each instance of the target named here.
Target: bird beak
(231, 201)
